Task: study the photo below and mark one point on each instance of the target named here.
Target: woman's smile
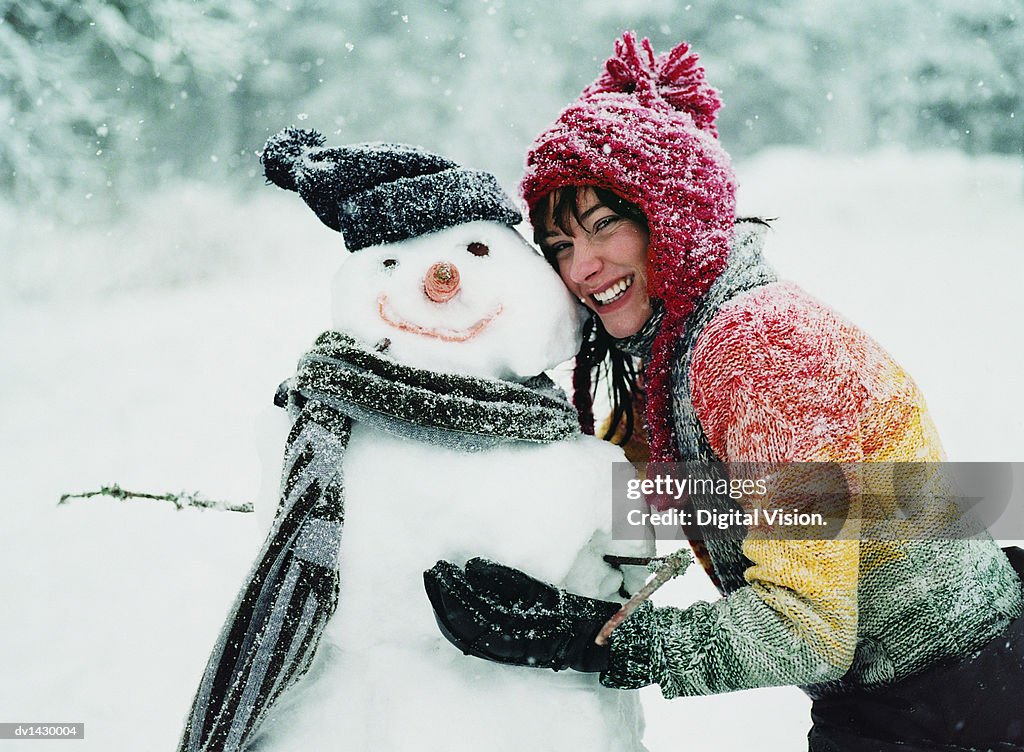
(613, 293)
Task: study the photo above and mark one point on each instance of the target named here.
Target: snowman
(418, 430)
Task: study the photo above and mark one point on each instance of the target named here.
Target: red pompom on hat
(645, 129)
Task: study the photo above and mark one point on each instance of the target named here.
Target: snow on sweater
(772, 375)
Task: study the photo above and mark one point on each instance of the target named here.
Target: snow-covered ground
(144, 355)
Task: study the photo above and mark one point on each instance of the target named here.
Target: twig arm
(180, 500)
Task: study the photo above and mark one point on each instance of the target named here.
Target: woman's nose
(585, 261)
(441, 282)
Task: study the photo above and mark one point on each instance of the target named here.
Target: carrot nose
(441, 282)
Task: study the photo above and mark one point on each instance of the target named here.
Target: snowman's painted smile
(448, 335)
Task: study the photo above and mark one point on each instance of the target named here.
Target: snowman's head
(474, 299)
(438, 279)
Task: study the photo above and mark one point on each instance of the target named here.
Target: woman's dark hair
(597, 353)
(618, 369)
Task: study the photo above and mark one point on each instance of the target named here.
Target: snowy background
(153, 292)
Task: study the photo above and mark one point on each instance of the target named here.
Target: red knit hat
(645, 130)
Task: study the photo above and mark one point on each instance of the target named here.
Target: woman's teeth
(614, 292)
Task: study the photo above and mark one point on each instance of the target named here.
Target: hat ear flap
(282, 153)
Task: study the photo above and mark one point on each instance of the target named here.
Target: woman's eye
(604, 222)
(559, 249)
(478, 249)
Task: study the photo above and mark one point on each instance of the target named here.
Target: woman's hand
(501, 614)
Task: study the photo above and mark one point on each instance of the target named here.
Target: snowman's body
(383, 677)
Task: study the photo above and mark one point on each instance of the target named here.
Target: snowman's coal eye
(478, 249)
(389, 263)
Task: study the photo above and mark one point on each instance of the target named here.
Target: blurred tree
(943, 73)
(104, 97)
(758, 54)
(92, 87)
(971, 92)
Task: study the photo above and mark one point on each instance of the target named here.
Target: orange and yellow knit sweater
(768, 374)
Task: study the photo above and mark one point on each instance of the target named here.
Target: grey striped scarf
(274, 627)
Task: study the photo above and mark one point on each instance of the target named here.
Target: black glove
(501, 614)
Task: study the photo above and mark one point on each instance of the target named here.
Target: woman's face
(602, 259)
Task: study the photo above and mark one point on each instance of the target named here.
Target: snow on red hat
(645, 129)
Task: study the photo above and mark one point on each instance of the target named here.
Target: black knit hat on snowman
(378, 193)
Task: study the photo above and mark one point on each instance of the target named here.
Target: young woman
(902, 644)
